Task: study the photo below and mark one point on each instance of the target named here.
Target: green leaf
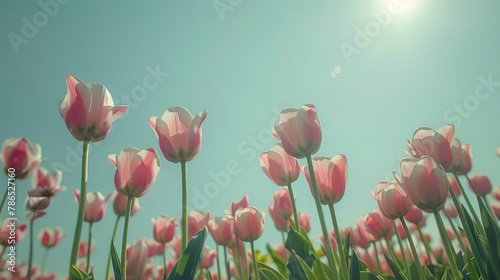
(299, 245)
(347, 247)
(475, 241)
(269, 272)
(493, 240)
(354, 268)
(277, 259)
(77, 273)
(190, 260)
(305, 267)
(116, 262)
(395, 270)
(368, 275)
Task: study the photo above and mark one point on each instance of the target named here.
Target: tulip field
(244, 160)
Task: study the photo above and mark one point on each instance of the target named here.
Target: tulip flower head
(436, 144)
(120, 204)
(280, 223)
(283, 203)
(392, 200)
(88, 110)
(496, 193)
(243, 203)
(46, 183)
(249, 223)
(197, 220)
(164, 229)
(222, 230)
(95, 205)
(377, 224)
(136, 260)
(305, 221)
(21, 155)
(467, 164)
(480, 184)
(331, 178)
(299, 131)
(5, 233)
(136, 171)
(279, 166)
(49, 237)
(179, 134)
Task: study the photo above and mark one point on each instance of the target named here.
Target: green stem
(340, 244)
(30, 260)
(226, 264)
(400, 243)
(237, 260)
(449, 251)
(184, 206)
(328, 245)
(124, 240)
(392, 253)
(376, 257)
(82, 204)
(88, 247)
(112, 241)
(420, 272)
(4, 199)
(454, 228)
(219, 276)
(164, 263)
(428, 250)
(44, 260)
(469, 204)
(255, 271)
(294, 207)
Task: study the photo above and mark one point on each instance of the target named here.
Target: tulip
(84, 249)
(392, 200)
(49, 276)
(331, 178)
(305, 221)
(222, 230)
(136, 170)
(299, 131)
(96, 205)
(459, 157)
(164, 229)
(415, 215)
(120, 204)
(495, 209)
(454, 186)
(249, 223)
(377, 224)
(425, 182)
(179, 134)
(243, 203)
(49, 238)
(283, 204)
(436, 144)
(496, 193)
(451, 210)
(5, 232)
(136, 261)
(364, 237)
(208, 258)
(279, 166)
(280, 223)
(88, 110)
(480, 184)
(36, 204)
(467, 164)
(197, 220)
(46, 183)
(21, 155)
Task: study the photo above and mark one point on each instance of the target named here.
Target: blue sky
(406, 65)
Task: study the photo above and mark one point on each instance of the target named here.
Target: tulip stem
(340, 244)
(469, 204)
(184, 206)
(426, 244)
(81, 207)
(219, 276)
(226, 265)
(30, 260)
(88, 247)
(44, 260)
(112, 240)
(3, 202)
(255, 271)
(454, 228)
(420, 272)
(400, 242)
(294, 207)
(328, 245)
(164, 262)
(449, 250)
(376, 257)
(124, 241)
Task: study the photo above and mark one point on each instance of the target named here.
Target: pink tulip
(36, 204)
(392, 200)
(5, 232)
(208, 258)
(280, 223)
(154, 248)
(331, 178)
(136, 171)
(495, 208)
(83, 248)
(197, 220)
(249, 223)
(281, 250)
(451, 211)
(415, 216)
(353, 235)
(436, 144)
(179, 133)
(283, 203)
(88, 110)
(496, 193)
(164, 229)
(299, 131)
(95, 207)
(136, 260)
(21, 155)
(49, 238)
(467, 164)
(176, 246)
(480, 184)
(454, 186)
(333, 240)
(458, 157)
(120, 204)
(377, 224)
(305, 221)
(222, 230)
(279, 166)
(46, 183)
(48, 276)
(20, 272)
(243, 203)
(425, 182)
(364, 237)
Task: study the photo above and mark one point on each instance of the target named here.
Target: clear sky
(400, 66)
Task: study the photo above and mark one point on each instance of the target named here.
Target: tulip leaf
(395, 270)
(190, 260)
(368, 275)
(277, 259)
(493, 240)
(347, 246)
(475, 242)
(269, 272)
(116, 262)
(77, 273)
(322, 271)
(299, 269)
(299, 245)
(355, 272)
